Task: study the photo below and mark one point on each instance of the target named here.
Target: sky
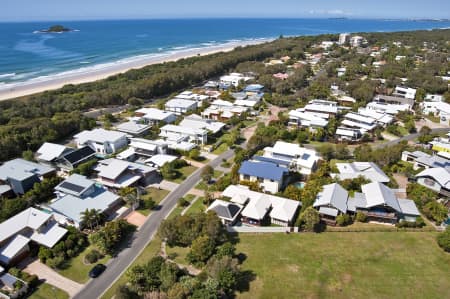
(49, 10)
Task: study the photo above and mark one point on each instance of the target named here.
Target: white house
(421, 159)
(299, 159)
(436, 179)
(175, 133)
(269, 176)
(180, 106)
(357, 121)
(348, 134)
(134, 128)
(434, 98)
(155, 116)
(299, 118)
(29, 225)
(261, 208)
(405, 92)
(344, 38)
(382, 119)
(234, 79)
(356, 41)
(440, 109)
(329, 108)
(196, 122)
(102, 141)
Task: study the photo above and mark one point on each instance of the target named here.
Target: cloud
(330, 12)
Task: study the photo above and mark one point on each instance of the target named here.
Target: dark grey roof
(228, 211)
(79, 155)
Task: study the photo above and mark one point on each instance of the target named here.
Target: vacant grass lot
(184, 172)
(157, 195)
(345, 265)
(46, 291)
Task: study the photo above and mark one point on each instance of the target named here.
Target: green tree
(91, 218)
(293, 192)
(201, 250)
(443, 239)
(309, 219)
(435, 211)
(207, 173)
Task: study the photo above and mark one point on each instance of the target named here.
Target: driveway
(165, 185)
(136, 218)
(53, 278)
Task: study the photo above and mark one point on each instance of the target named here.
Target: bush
(92, 256)
(407, 224)
(343, 219)
(443, 239)
(147, 204)
(182, 202)
(435, 211)
(361, 217)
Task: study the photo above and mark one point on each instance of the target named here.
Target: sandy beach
(10, 91)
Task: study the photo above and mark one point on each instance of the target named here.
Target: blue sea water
(25, 54)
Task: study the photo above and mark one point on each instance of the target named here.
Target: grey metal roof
(408, 207)
(75, 184)
(20, 169)
(328, 211)
(333, 195)
(378, 194)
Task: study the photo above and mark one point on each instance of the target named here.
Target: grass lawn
(150, 251)
(77, 270)
(433, 118)
(177, 211)
(184, 173)
(221, 149)
(157, 195)
(178, 254)
(403, 130)
(345, 265)
(45, 291)
(196, 207)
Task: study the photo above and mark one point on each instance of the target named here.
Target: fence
(265, 229)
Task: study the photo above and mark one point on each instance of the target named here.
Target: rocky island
(55, 29)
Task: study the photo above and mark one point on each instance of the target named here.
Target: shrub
(361, 217)
(93, 256)
(407, 224)
(182, 202)
(343, 219)
(443, 239)
(147, 204)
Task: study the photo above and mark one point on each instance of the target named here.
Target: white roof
(442, 107)
(99, 135)
(328, 211)
(245, 103)
(12, 248)
(333, 195)
(160, 160)
(388, 108)
(180, 103)
(308, 118)
(221, 103)
(408, 207)
(155, 114)
(30, 217)
(258, 203)
(353, 124)
(50, 151)
(113, 168)
(197, 122)
(292, 152)
(126, 153)
(322, 108)
(360, 118)
(183, 130)
(439, 174)
(380, 117)
(49, 235)
(346, 132)
(378, 194)
(132, 127)
(368, 170)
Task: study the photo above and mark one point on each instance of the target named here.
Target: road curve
(409, 137)
(95, 288)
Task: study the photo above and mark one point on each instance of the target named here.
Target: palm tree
(91, 218)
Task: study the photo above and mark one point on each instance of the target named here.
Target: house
(322, 107)
(21, 175)
(391, 109)
(134, 128)
(436, 179)
(30, 225)
(49, 153)
(299, 159)
(357, 121)
(341, 71)
(299, 118)
(405, 92)
(439, 109)
(11, 287)
(331, 202)
(356, 41)
(160, 159)
(189, 95)
(145, 148)
(281, 76)
(235, 79)
(269, 176)
(228, 212)
(62, 157)
(434, 98)
(421, 159)
(103, 142)
(180, 106)
(173, 133)
(348, 134)
(441, 144)
(394, 100)
(368, 170)
(155, 116)
(118, 174)
(77, 194)
(254, 88)
(196, 122)
(223, 110)
(381, 119)
(380, 204)
(344, 38)
(261, 208)
(327, 44)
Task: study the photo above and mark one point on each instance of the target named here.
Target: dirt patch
(136, 218)
(293, 268)
(347, 278)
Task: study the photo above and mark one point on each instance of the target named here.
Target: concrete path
(197, 192)
(193, 163)
(223, 169)
(190, 205)
(165, 185)
(52, 277)
(209, 156)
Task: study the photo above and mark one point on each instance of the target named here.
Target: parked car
(97, 270)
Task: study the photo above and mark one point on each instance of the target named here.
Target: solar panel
(71, 187)
(305, 156)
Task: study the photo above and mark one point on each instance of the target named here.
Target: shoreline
(99, 72)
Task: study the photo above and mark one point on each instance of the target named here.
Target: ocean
(28, 55)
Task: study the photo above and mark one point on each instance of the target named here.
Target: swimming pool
(300, 185)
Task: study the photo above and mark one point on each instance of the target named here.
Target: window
(260, 180)
(246, 177)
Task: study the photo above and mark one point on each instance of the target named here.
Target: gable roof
(408, 207)
(78, 155)
(50, 151)
(439, 174)
(75, 184)
(224, 209)
(264, 170)
(21, 169)
(31, 217)
(333, 195)
(99, 135)
(368, 170)
(378, 194)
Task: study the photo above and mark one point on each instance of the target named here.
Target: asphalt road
(410, 137)
(117, 266)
